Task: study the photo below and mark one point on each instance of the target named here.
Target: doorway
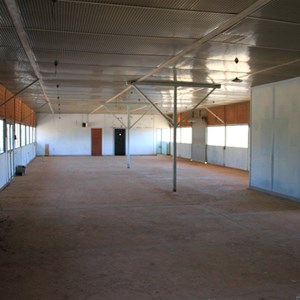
(120, 141)
(96, 141)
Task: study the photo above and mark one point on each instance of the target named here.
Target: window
(17, 135)
(237, 136)
(10, 136)
(33, 134)
(166, 135)
(1, 136)
(216, 135)
(229, 136)
(23, 135)
(178, 135)
(27, 135)
(186, 135)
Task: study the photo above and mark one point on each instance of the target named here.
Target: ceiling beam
(126, 103)
(177, 84)
(15, 15)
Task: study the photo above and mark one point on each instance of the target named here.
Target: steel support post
(175, 141)
(128, 138)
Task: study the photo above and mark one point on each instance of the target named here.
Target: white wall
(9, 160)
(24, 155)
(199, 141)
(231, 157)
(275, 139)
(4, 178)
(66, 136)
(183, 150)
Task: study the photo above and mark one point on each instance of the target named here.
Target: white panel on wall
(3, 169)
(236, 158)
(287, 139)
(24, 155)
(261, 137)
(142, 141)
(21, 156)
(283, 145)
(199, 142)
(185, 150)
(108, 148)
(64, 134)
(215, 155)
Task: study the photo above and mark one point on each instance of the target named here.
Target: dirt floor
(89, 228)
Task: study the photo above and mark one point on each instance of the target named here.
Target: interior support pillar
(128, 138)
(175, 141)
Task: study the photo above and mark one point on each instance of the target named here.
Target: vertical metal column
(128, 137)
(175, 140)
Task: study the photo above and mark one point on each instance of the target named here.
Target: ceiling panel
(64, 70)
(228, 6)
(98, 59)
(268, 34)
(100, 45)
(281, 10)
(118, 20)
(105, 43)
(5, 20)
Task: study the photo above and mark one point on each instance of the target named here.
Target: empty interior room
(149, 150)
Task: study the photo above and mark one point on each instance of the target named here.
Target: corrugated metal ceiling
(101, 45)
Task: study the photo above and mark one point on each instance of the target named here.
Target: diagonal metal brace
(195, 107)
(168, 119)
(141, 117)
(115, 116)
(18, 93)
(217, 117)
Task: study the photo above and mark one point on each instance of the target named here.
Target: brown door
(96, 141)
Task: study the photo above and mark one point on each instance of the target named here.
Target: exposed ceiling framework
(85, 52)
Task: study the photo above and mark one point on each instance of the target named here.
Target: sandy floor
(89, 228)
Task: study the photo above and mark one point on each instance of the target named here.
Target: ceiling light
(236, 79)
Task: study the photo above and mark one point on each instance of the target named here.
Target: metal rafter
(121, 122)
(16, 18)
(177, 84)
(211, 112)
(18, 93)
(167, 118)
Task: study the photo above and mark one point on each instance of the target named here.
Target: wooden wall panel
(185, 116)
(220, 112)
(243, 113)
(15, 110)
(18, 111)
(231, 114)
(2, 99)
(10, 107)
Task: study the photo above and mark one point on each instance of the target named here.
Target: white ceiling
(100, 46)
